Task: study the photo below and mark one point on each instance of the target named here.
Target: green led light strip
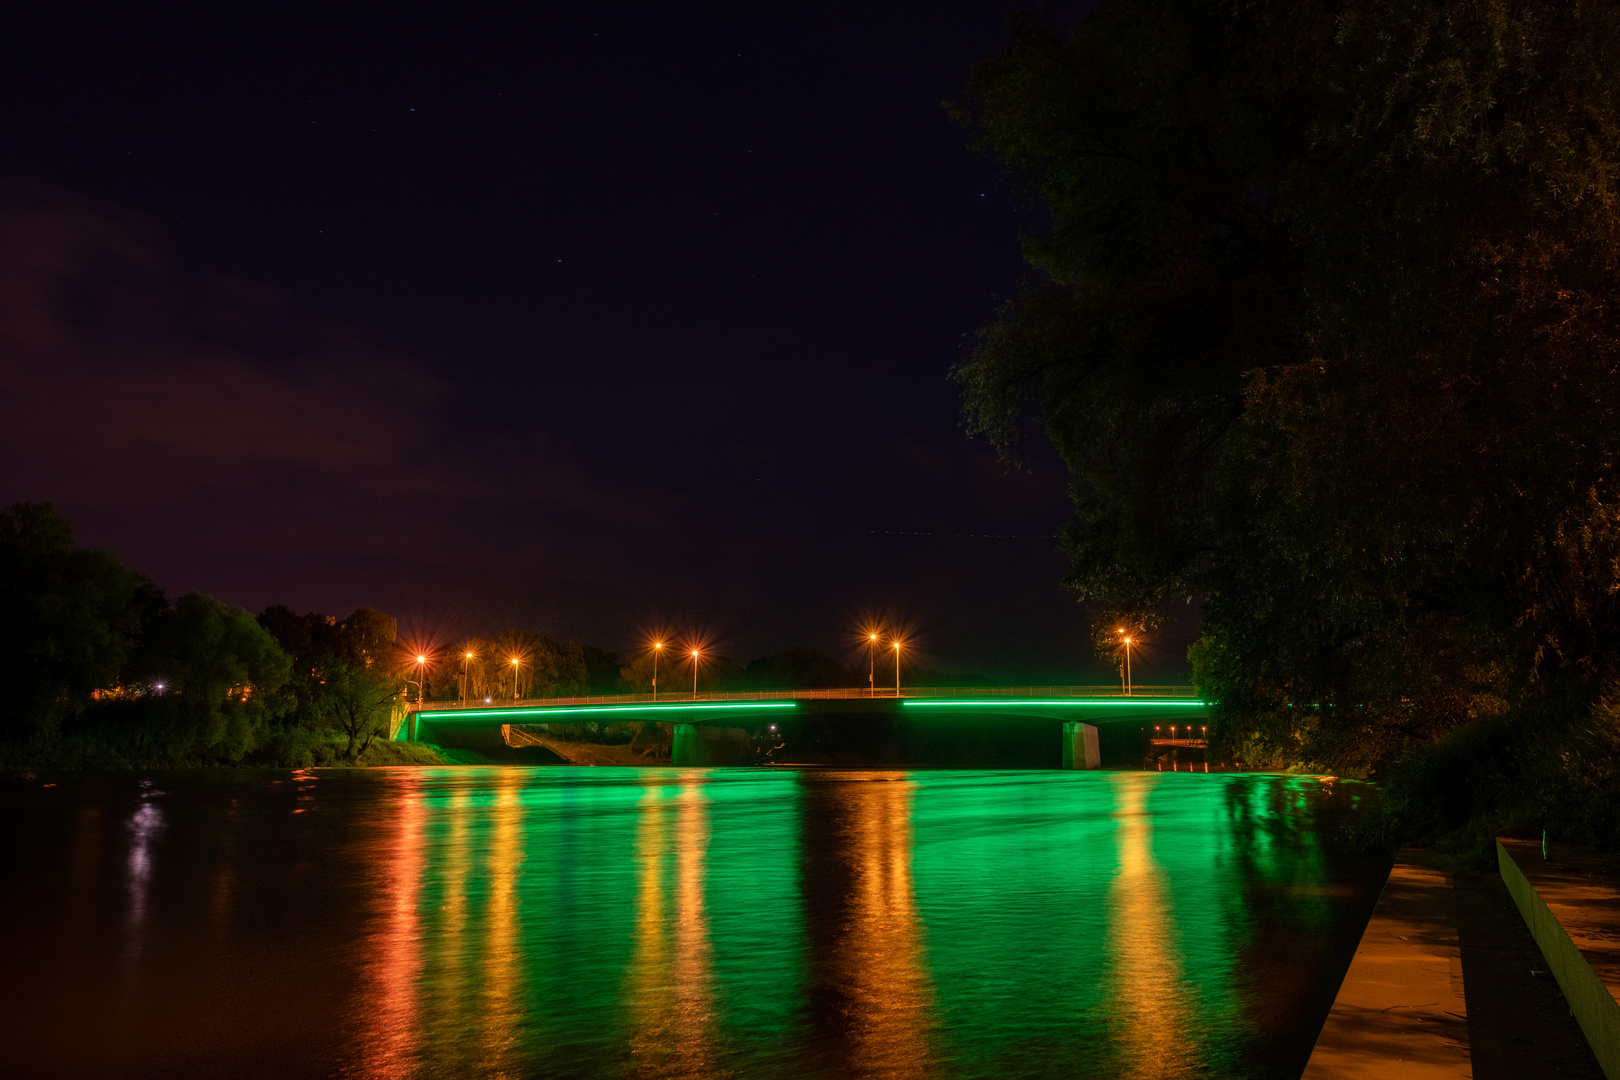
(1107, 702)
(457, 714)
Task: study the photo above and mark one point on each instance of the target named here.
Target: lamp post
(466, 677)
(515, 666)
(871, 665)
(695, 655)
(1127, 664)
(421, 693)
(897, 669)
(658, 647)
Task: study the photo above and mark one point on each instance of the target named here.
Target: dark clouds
(210, 415)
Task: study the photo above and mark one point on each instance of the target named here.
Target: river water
(595, 922)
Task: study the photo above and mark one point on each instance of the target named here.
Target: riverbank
(1448, 982)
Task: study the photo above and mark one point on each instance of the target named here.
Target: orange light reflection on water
(503, 958)
(671, 983)
(882, 954)
(1151, 1000)
(389, 1045)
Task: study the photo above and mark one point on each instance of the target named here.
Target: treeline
(1323, 325)
(104, 671)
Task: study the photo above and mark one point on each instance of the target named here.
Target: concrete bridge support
(1080, 749)
(703, 745)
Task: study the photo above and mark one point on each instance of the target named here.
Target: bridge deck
(907, 692)
(1093, 704)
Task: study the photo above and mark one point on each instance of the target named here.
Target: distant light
(486, 701)
(160, 687)
(773, 727)
(469, 656)
(421, 659)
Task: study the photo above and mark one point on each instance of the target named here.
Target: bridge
(1054, 725)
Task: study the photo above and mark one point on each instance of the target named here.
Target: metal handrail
(1109, 691)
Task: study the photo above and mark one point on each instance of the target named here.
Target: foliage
(675, 672)
(1323, 327)
(220, 671)
(359, 701)
(69, 619)
(798, 669)
(518, 664)
(601, 671)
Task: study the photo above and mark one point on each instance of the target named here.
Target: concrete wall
(1080, 747)
(485, 738)
(1594, 1007)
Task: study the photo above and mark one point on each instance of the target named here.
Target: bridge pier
(702, 745)
(1080, 749)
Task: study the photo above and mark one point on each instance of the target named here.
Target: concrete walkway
(1401, 1013)
(1450, 981)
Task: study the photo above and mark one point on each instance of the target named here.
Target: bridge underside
(922, 732)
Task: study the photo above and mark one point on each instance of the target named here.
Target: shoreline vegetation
(103, 671)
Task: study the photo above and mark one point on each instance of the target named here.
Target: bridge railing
(1109, 691)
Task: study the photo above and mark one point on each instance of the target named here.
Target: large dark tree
(221, 673)
(1323, 325)
(69, 619)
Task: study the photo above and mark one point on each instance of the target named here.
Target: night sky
(595, 323)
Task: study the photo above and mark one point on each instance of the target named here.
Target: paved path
(1448, 982)
(1401, 1013)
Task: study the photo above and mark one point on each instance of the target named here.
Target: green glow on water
(971, 924)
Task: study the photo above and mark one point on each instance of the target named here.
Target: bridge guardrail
(1109, 691)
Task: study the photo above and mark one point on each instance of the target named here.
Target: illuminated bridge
(1032, 726)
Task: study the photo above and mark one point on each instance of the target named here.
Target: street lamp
(897, 669)
(1127, 664)
(515, 666)
(695, 655)
(658, 647)
(466, 677)
(871, 665)
(421, 693)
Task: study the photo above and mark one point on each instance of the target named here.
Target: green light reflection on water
(687, 922)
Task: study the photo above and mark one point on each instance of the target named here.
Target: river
(601, 922)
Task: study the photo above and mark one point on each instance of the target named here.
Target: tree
(221, 672)
(312, 640)
(798, 670)
(1321, 327)
(368, 639)
(69, 619)
(359, 701)
(544, 667)
(601, 670)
